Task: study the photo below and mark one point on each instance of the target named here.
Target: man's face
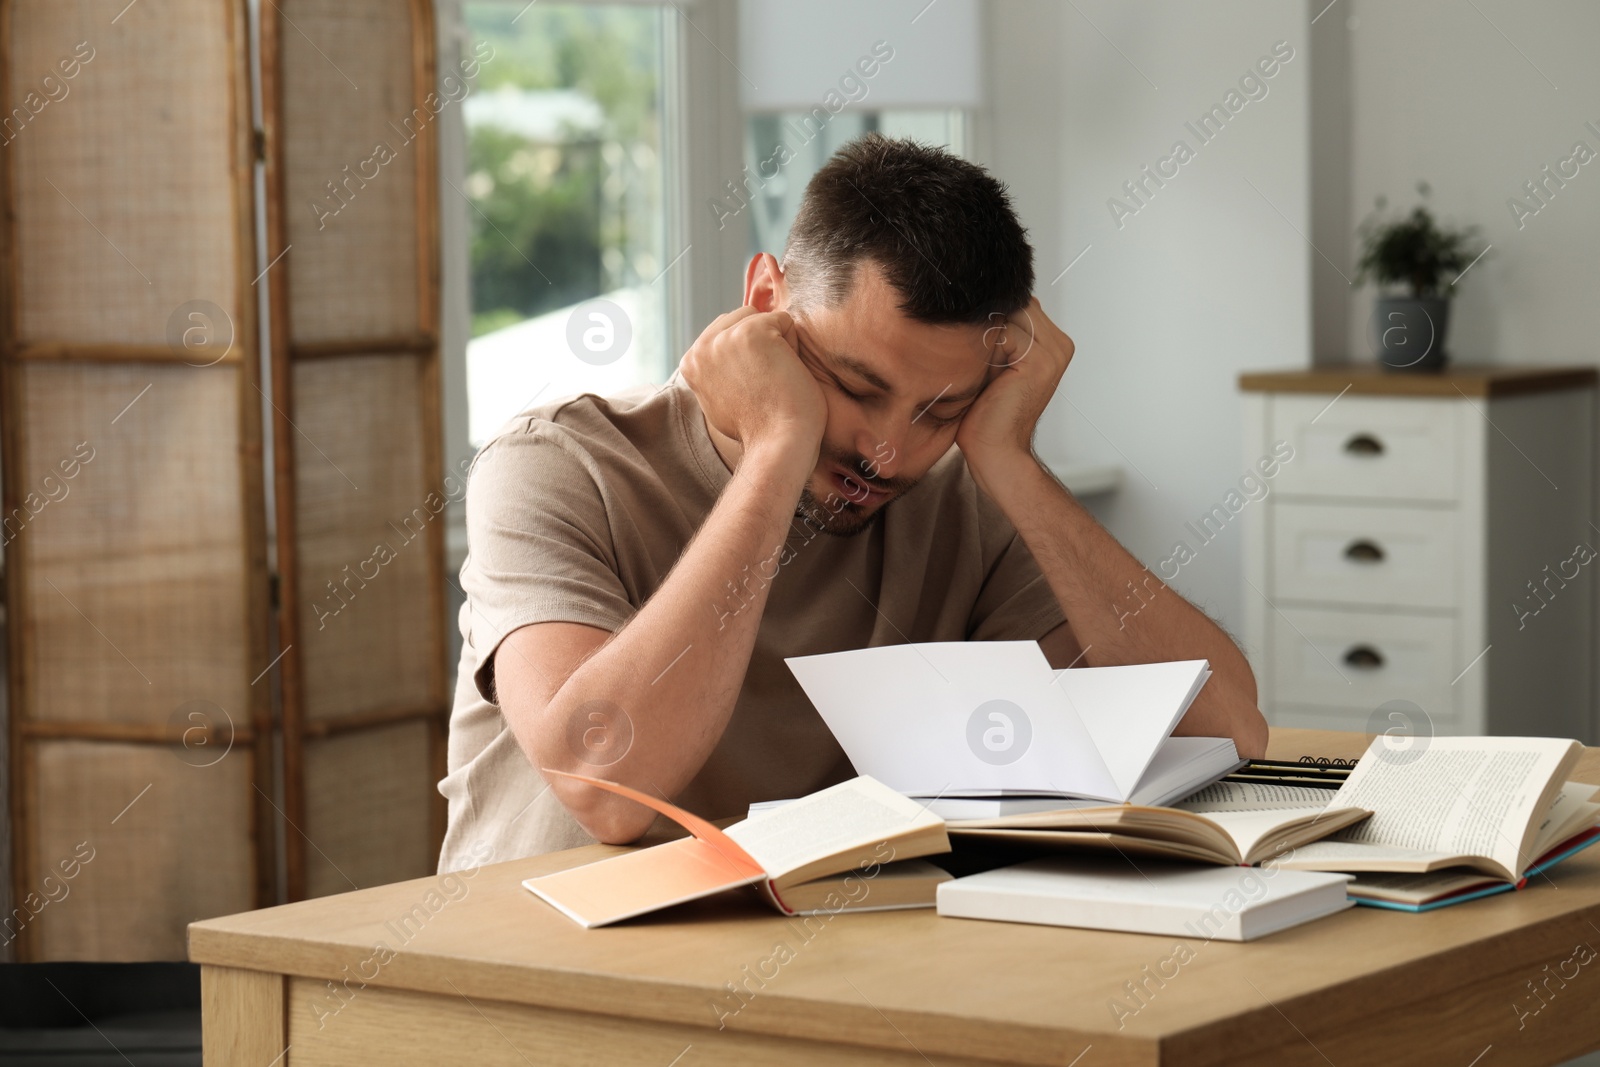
(896, 390)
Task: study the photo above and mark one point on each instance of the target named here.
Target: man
(639, 566)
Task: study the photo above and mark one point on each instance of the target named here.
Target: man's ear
(765, 287)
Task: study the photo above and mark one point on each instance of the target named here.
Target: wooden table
(482, 972)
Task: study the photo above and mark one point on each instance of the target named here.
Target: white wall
(1209, 278)
(1437, 91)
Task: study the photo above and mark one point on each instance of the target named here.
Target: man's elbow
(1250, 735)
(1250, 732)
(606, 817)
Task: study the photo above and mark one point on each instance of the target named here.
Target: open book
(1492, 804)
(992, 719)
(1425, 892)
(856, 826)
(1227, 822)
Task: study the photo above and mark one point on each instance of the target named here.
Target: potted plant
(1408, 329)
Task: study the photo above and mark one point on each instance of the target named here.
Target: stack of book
(1465, 818)
(983, 749)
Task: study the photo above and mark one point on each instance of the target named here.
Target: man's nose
(878, 454)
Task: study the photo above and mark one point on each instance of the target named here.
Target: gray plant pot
(1408, 334)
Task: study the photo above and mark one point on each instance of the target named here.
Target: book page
(839, 820)
(1569, 813)
(1254, 796)
(947, 718)
(1424, 886)
(1475, 796)
(1416, 888)
(1130, 709)
(1181, 766)
(1334, 855)
(1249, 828)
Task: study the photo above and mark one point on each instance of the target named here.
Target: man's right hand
(674, 671)
(745, 369)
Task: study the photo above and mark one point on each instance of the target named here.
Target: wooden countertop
(1360, 986)
(1457, 379)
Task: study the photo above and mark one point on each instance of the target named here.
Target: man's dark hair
(941, 229)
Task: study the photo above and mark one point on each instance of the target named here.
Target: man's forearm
(1091, 574)
(677, 667)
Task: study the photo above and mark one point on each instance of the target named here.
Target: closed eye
(859, 398)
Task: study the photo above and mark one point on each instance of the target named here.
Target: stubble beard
(837, 516)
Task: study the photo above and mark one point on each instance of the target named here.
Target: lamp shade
(792, 55)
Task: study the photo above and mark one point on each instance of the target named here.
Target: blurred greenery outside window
(564, 173)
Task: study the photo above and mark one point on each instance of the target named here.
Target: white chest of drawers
(1428, 550)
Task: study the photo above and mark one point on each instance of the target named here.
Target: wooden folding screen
(135, 557)
(351, 119)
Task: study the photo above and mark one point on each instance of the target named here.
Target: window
(564, 172)
(773, 208)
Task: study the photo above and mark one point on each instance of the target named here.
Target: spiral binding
(1325, 772)
(1328, 761)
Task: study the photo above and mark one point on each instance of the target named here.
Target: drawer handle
(1365, 657)
(1364, 444)
(1363, 551)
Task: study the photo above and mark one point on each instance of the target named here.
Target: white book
(971, 719)
(1113, 893)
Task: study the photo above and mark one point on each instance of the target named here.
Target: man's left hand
(1030, 354)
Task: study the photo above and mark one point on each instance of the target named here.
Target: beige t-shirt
(577, 510)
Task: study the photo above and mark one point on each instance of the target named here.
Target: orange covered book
(860, 825)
